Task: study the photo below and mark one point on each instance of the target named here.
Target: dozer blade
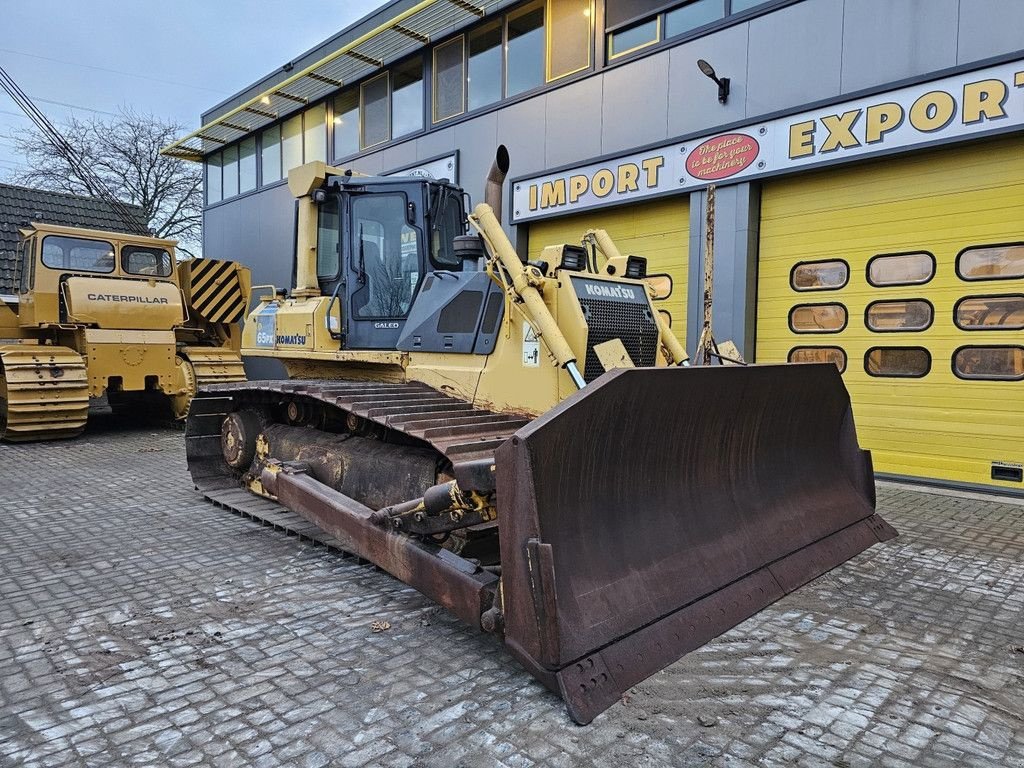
(659, 507)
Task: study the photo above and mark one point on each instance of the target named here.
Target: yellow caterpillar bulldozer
(526, 443)
(109, 313)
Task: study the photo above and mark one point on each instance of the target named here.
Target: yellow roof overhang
(409, 30)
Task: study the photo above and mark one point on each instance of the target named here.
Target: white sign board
(955, 107)
(446, 167)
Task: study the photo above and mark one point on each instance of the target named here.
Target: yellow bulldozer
(99, 313)
(525, 442)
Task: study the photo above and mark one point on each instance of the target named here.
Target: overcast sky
(172, 59)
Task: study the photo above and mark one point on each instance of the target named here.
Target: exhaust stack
(495, 180)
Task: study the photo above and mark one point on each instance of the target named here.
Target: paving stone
(141, 626)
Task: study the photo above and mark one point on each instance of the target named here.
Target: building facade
(868, 158)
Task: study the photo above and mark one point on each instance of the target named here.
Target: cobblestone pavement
(140, 625)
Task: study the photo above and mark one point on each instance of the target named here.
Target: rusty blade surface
(657, 508)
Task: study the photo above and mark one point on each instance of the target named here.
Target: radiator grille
(632, 323)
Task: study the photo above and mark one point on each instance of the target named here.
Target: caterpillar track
(44, 392)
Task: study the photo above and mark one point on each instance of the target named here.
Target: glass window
(990, 313)
(314, 133)
(374, 108)
(346, 124)
(270, 154)
(692, 15)
(817, 318)
(524, 51)
(996, 363)
(328, 246)
(633, 38)
(569, 27)
(738, 6)
(386, 254)
(446, 223)
(247, 164)
(407, 98)
(291, 144)
(214, 190)
(991, 262)
(78, 254)
(449, 80)
(819, 355)
(901, 362)
(230, 172)
(483, 79)
(819, 275)
(901, 269)
(138, 260)
(908, 315)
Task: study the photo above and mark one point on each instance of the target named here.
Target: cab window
(385, 255)
(328, 239)
(151, 262)
(77, 254)
(446, 225)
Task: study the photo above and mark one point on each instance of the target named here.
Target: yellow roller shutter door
(910, 338)
(658, 230)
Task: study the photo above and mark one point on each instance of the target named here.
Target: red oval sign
(722, 156)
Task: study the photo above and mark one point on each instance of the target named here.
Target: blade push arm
(525, 279)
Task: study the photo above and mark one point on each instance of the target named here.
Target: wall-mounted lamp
(723, 82)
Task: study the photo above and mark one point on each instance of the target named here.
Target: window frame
(846, 321)
(869, 350)
(125, 255)
(962, 299)
(363, 146)
(655, 41)
(846, 356)
(42, 255)
(521, 10)
(461, 37)
(794, 268)
(887, 300)
(964, 250)
(962, 347)
(549, 28)
(929, 254)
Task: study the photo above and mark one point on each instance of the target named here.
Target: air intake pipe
(495, 180)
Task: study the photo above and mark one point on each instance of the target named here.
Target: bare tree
(124, 152)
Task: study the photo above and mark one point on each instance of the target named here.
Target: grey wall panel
(635, 106)
(794, 56)
(573, 122)
(436, 143)
(693, 98)
(476, 141)
(521, 128)
(399, 156)
(370, 164)
(887, 40)
(989, 28)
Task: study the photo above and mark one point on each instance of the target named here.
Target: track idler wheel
(238, 436)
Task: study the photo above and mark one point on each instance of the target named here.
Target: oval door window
(898, 362)
(817, 318)
(820, 275)
(901, 269)
(995, 363)
(990, 313)
(903, 315)
(991, 262)
(818, 355)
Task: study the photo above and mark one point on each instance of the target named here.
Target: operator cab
(386, 257)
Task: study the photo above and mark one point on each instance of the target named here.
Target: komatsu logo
(604, 290)
(127, 299)
(294, 339)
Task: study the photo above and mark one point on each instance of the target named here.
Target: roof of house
(20, 205)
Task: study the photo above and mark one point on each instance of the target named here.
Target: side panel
(658, 230)
(933, 424)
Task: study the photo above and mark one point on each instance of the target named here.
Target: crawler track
(44, 393)
(414, 412)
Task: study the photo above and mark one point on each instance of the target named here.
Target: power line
(68, 153)
(112, 71)
(75, 106)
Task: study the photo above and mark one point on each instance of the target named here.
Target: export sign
(954, 108)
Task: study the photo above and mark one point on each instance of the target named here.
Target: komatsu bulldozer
(525, 442)
(104, 313)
